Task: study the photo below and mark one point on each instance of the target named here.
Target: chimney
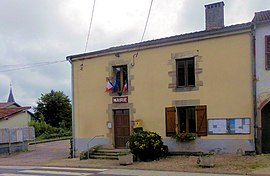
(214, 15)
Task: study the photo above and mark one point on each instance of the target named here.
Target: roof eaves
(261, 17)
(173, 39)
(20, 109)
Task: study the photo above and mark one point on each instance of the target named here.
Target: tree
(55, 107)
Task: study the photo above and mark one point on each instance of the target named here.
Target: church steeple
(11, 98)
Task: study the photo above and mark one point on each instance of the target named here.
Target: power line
(145, 26)
(146, 23)
(27, 66)
(90, 26)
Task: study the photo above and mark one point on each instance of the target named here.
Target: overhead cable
(8, 68)
(146, 23)
(90, 26)
(145, 27)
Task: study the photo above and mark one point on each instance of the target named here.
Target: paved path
(38, 154)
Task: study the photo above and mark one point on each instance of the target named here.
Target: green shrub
(46, 131)
(146, 145)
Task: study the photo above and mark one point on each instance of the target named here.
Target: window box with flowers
(184, 137)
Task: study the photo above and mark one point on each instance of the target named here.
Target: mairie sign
(120, 99)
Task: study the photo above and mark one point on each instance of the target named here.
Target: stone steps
(107, 153)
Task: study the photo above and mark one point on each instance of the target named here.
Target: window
(267, 52)
(191, 119)
(185, 70)
(120, 82)
(186, 119)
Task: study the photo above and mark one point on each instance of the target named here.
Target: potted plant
(125, 158)
(206, 159)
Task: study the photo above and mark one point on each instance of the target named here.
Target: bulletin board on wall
(229, 126)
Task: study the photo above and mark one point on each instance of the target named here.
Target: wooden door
(121, 127)
(265, 113)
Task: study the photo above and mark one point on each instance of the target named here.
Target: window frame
(186, 73)
(186, 119)
(267, 52)
(172, 120)
(121, 78)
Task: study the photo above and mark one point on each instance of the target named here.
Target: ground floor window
(191, 119)
(186, 119)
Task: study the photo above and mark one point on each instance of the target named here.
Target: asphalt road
(64, 171)
(38, 154)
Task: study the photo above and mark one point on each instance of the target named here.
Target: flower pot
(125, 159)
(206, 161)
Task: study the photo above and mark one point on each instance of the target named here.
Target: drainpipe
(9, 141)
(254, 83)
(72, 104)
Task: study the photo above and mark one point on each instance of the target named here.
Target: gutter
(254, 84)
(72, 107)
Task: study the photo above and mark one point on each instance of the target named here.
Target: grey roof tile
(176, 38)
(263, 16)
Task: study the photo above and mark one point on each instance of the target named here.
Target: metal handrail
(100, 135)
(127, 145)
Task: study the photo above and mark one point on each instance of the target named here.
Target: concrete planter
(125, 159)
(206, 161)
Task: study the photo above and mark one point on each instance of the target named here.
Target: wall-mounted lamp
(117, 54)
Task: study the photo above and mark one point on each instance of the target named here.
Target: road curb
(49, 140)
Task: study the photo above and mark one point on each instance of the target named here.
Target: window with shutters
(267, 52)
(191, 119)
(185, 73)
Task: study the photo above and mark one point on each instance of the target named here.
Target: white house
(261, 43)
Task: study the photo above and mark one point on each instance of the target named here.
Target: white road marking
(54, 172)
(156, 173)
(8, 174)
(18, 167)
(73, 168)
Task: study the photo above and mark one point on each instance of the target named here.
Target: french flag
(125, 87)
(109, 86)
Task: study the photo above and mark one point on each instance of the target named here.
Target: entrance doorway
(121, 127)
(265, 114)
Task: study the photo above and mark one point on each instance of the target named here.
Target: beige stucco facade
(223, 83)
(18, 120)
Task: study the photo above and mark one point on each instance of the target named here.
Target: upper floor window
(120, 76)
(267, 52)
(185, 72)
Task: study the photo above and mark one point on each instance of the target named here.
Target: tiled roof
(263, 16)
(6, 112)
(176, 38)
(6, 104)
(3, 105)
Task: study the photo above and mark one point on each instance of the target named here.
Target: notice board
(229, 126)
